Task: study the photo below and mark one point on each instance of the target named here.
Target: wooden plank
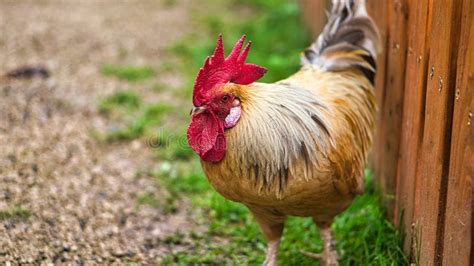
(378, 10)
(437, 128)
(391, 102)
(413, 118)
(314, 15)
(458, 225)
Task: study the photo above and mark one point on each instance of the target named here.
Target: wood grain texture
(458, 225)
(423, 151)
(413, 119)
(314, 14)
(437, 128)
(391, 101)
(378, 10)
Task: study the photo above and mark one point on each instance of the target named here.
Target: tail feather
(350, 39)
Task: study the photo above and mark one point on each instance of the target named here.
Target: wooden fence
(423, 154)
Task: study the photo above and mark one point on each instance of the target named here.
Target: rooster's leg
(272, 229)
(272, 233)
(329, 252)
(329, 255)
(272, 252)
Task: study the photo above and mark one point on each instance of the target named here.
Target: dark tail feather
(350, 39)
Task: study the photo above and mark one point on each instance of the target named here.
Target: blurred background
(94, 162)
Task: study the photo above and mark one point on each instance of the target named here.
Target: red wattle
(206, 137)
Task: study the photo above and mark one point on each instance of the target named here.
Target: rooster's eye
(225, 98)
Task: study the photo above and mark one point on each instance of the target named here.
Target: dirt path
(80, 194)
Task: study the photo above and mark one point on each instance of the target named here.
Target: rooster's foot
(329, 255)
(327, 258)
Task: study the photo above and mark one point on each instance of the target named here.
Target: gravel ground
(81, 193)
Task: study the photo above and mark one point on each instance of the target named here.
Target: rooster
(296, 147)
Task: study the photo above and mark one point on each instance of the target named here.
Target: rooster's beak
(197, 110)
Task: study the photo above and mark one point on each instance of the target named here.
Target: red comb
(220, 70)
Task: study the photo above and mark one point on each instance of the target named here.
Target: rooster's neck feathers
(280, 124)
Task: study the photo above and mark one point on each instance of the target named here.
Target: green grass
(151, 116)
(129, 73)
(15, 212)
(139, 122)
(172, 145)
(364, 236)
(148, 199)
(121, 99)
(183, 178)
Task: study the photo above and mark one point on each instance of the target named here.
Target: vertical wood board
(437, 128)
(391, 103)
(413, 118)
(457, 237)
